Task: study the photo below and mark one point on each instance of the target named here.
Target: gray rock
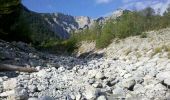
(163, 75)
(46, 98)
(32, 88)
(91, 81)
(102, 97)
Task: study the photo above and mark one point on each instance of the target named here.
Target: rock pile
(99, 78)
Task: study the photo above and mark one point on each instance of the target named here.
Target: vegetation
(165, 48)
(129, 24)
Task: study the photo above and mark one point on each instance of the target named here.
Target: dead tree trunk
(7, 67)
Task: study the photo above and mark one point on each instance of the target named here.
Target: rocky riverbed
(131, 69)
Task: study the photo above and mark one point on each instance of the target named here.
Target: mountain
(61, 25)
(27, 25)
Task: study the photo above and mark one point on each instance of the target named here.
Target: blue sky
(92, 8)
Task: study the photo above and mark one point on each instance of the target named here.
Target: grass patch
(143, 35)
(156, 51)
(127, 52)
(164, 48)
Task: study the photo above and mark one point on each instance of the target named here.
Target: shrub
(143, 35)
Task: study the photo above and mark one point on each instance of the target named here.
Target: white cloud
(141, 4)
(103, 1)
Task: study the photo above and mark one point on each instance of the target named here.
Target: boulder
(128, 83)
(99, 75)
(18, 94)
(102, 97)
(167, 81)
(163, 75)
(92, 73)
(91, 92)
(10, 84)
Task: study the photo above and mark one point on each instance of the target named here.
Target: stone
(127, 76)
(39, 68)
(163, 75)
(167, 81)
(97, 85)
(91, 81)
(92, 73)
(18, 94)
(46, 98)
(72, 97)
(33, 99)
(102, 97)
(78, 96)
(61, 69)
(99, 75)
(7, 93)
(32, 88)
(122, 72)
(10, 84)
(138, 89)
(42, 73)
(128, 83)
(118, 92)
(91, 92)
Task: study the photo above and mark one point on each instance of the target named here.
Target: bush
(143, 35)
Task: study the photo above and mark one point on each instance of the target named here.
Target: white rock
(128, 83)
(138, 88)
(10, 84)
(163, 75)
(17, 94)
(78, 96)
(127, 75)
(102, 97)
(32, 88)
(167, 81)
(91, 92)
(7, 93)
(122, 72)
(97, 85)
(99, 75)
(39, 68)
(41, 73)
(92, 73)
(118, 91)
(33, 99)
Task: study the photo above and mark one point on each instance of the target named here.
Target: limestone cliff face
(84, 22)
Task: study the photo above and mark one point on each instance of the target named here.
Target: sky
(92, 8)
